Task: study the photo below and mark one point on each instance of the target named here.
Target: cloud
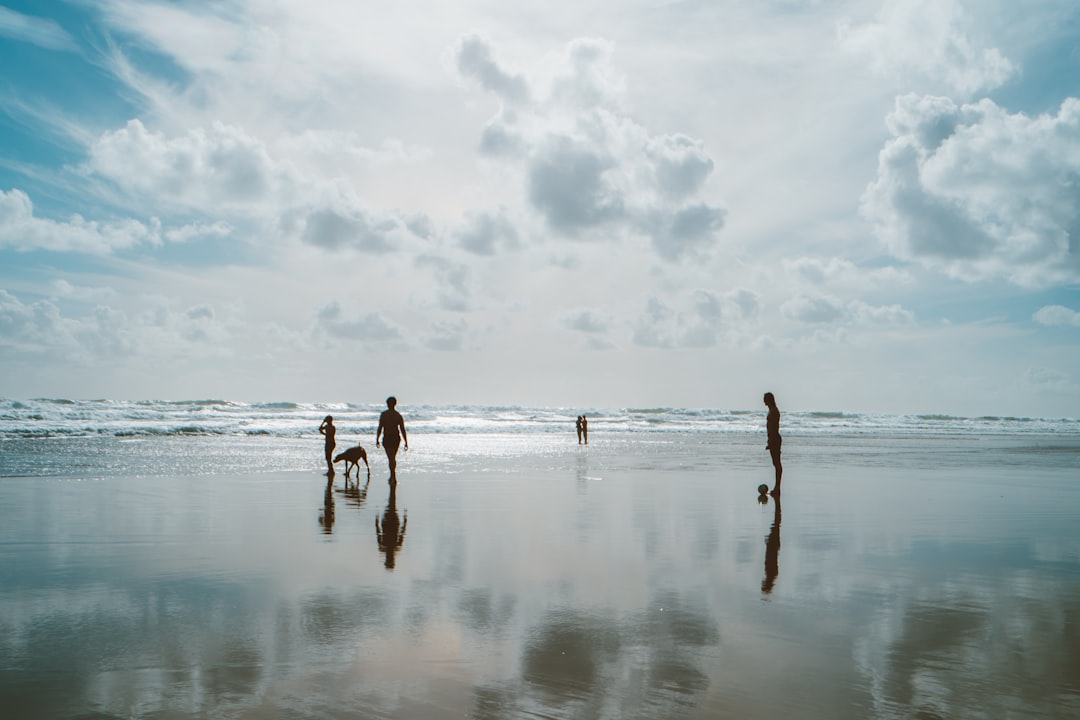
(1049, 379)
(484, 232)
(476, 60)
(451, 282)
(812, 309)
(976, 192)
(701, 319)
(589, 169)
(586, 321)
(369, 327)
(21, 230)
(447, 336)
(839, 272)
(38, 31)
(1057, 315)
(102, 332)
(929, 38)
(822, 310)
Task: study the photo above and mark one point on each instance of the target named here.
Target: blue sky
(865, 206)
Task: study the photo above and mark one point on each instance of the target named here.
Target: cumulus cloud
(369, 327)
(589, 169)
(930, 38)
(451, 282)
(587, 321)
(447, 335)
(701, 319)
(206, 167)
(977, 192)
(101, 332)
(1057, 315)
(221, 169)
(821, 310)
(840, 272)
(21, 230)
(476, 60)
(483, 233)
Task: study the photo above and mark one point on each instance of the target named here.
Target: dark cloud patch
(369, 327)
(485, 233)
(568, 187)
(475, 58)
(333, 230)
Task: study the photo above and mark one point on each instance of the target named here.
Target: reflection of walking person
(772, 551)
(390, 534)
(578, 429)
(585, 428)
(772, 427)
(392, 430)
(327, 428)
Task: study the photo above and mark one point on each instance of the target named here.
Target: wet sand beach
(897, 578)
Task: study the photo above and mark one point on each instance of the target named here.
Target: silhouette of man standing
(392, 430)
(772, 427)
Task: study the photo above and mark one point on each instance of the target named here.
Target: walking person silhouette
(392, 431)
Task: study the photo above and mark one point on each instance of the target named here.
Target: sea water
(191, 560)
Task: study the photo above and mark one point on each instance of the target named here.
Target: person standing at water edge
(578, 429)
(772, 427)
(392, 430)
(585, 428)
(327, 428)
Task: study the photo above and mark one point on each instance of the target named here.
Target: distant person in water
(579, 418)
(392, 431)
(772, 427)
(327, 429)
(585, 428)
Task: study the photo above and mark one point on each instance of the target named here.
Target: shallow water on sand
(899, 578)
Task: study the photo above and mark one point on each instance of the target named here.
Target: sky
(858, 205)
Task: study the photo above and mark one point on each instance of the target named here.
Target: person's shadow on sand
(772, 550)
(326, 517)
(390, 534)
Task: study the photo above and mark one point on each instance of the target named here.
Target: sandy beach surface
(898, 578)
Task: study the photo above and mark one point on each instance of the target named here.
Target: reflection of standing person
(392, 430)
(326, 519)
(327, 428)
(772, 427)
(579, 429)
(391, 533)
(585, 428)
(772, 551)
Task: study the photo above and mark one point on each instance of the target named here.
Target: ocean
(193, 560)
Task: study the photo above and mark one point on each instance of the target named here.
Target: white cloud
(977, 192)
(588, 168)
(822, 310)
(21, 230)
(701, 319)
(369, 328)
(1057, 315)
(39, 31)
(932, 39)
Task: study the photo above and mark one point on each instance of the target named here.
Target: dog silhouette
(353, 456)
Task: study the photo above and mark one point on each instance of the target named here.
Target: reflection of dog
(353, 456)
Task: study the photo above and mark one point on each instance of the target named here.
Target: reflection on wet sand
(390, 534)
(772, 550)
(326, 515)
